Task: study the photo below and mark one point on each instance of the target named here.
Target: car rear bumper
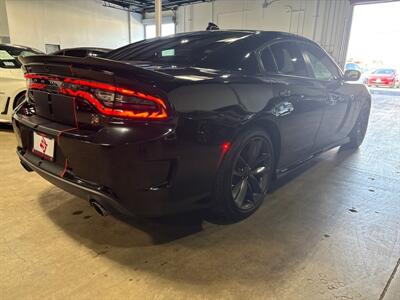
(75, 187)
(131, 171)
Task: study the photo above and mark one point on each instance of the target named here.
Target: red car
(384, 77)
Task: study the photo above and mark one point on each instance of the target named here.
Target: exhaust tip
(28, 169)
(99, 208)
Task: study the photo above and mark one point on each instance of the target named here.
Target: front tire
(359, 130)
(244, 177)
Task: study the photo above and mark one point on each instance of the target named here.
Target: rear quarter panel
(209, 115)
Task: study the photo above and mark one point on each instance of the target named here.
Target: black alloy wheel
(250, 173)
(244, 176)
(359, 130)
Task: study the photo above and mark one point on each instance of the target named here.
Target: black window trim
(277, 41)
(308, 67)
(308, 63)
(260, 62)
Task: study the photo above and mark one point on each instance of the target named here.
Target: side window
(267, 60)
(320, 63)
(289, 59)
(249, 64)
(76, 53)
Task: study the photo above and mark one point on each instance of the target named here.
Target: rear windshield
(7, 61)
(184, 49)
(384, 71)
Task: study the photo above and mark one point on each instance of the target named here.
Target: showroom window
(50, 48)
(166, 29)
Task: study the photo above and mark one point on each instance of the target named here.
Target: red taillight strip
(110, 111)
(37, 86)
(37, 76)
(111, 88)
(94, 101)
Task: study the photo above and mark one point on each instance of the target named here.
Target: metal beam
(158, 16)
(148, 5)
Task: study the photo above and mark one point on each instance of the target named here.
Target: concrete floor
(330, 232)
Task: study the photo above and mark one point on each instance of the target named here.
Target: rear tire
(243, 177)
(359, 130)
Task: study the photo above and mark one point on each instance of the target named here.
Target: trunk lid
(91, 92)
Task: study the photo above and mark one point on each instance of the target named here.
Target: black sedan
(197, 120)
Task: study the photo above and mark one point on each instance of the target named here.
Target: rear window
(185, 49)
(384, 71)
(7, 61)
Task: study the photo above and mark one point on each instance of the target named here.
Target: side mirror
(351, 75)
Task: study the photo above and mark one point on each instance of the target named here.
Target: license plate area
(43, 146)
(55, 107)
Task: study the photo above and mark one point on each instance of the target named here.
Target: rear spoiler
(48, 64)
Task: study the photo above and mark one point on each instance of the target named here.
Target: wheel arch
(273, 131)
(19, 94)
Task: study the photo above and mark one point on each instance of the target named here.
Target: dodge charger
(200, 120)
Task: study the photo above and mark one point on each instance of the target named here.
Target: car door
(298, 104)
(339, 106)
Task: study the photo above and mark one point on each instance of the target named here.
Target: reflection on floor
(331, 231)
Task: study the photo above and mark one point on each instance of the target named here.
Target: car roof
(272, 34)
(388, 69)
(262, 34)
(87, 48)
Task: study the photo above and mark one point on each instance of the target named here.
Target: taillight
(108, 99)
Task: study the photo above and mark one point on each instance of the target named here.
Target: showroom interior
(328, 229)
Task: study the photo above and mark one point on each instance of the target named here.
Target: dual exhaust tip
(99, 208)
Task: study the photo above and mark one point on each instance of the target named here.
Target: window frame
(278, 41)
(310, 73)
(258, 53)
(309, 65)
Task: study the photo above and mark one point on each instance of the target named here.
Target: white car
(12, 81)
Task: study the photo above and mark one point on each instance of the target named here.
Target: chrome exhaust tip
(99, 208)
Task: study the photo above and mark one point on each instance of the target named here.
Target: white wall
(136, 27)
(74, 23)
(325, 21)
(70, 23)
(4, 33)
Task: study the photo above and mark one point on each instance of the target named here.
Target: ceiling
(142, 6)
(359, 2)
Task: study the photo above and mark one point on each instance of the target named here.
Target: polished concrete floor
(331, 231)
